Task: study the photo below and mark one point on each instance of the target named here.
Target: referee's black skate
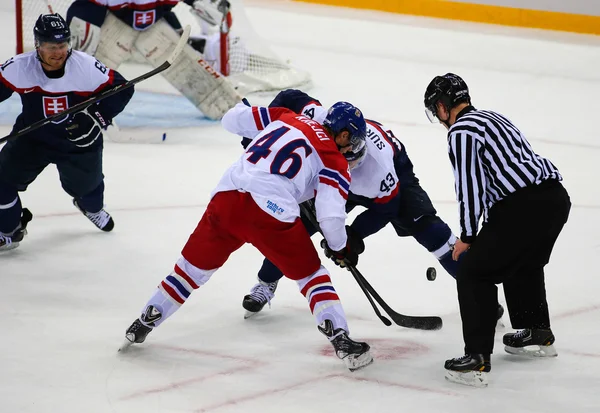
(261, 294)
(354, 354)
(101, 219)
(141, 327)
(470, 369)
(530, 343)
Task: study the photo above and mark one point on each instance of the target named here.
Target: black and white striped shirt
(491, 159)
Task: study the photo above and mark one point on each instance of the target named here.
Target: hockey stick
(308, 213)
(108, 92)
(417, 322)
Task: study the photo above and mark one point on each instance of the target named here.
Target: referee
(524, 208)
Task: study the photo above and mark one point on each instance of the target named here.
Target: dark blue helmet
(344, 116)
(51, 28)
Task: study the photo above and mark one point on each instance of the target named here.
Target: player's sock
(323, 300)
(170, 295)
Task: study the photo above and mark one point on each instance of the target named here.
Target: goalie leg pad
(116, 42)
(85, 36)
(206, 88)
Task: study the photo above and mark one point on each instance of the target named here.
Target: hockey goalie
(111, 30)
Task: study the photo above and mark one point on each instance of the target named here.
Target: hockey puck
(431, 274)
(164, 137)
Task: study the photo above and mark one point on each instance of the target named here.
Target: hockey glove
(349, 254)
(85, 127)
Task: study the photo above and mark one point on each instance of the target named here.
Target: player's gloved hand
(349, 254)
(85, 127)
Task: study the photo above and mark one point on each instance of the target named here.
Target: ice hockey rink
(69, 291)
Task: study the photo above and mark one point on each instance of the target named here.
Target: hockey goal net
(253, 66)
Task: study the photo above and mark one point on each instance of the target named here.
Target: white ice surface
(69, 292)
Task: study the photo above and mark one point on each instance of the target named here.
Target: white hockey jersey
(290, 160)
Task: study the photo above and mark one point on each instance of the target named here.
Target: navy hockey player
(49, 80)
(383, 181)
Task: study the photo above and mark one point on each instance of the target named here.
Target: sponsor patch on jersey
(143, 19)
(54, 105)
(274, 207)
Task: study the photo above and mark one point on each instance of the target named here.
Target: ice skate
(100, 219)
(12, 241)
(141, 327)
(261, 294)
(354, 354)
(530, 343)
(470, 370)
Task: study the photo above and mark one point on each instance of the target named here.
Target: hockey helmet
(344, 116)
(51, 28)
(449, 89)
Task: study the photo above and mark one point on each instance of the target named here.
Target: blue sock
(437, 237)
(269, 272)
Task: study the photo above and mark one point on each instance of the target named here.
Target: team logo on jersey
(143, 19)
(54, 105)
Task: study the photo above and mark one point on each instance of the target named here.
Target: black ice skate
(355, 354)
(261, 294)
(470, 370)
(100, 219)
(141, 327)
(530, 343)
(12, 241)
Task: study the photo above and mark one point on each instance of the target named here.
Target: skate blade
(126, 344)
(532, 351)
(12, 246)
(249, 314)
(468, 378)
(358, 362)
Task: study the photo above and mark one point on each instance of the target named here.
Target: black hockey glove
(349, 254)
(85, 127)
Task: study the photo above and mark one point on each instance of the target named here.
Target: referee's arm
(469, 180)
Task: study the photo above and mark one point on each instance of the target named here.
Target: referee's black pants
(512, 248)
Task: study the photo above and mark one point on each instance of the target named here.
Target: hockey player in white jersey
(49, 80)
(384, 183)
(290, 159)
(112, 30)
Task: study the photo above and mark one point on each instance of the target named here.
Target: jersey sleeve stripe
(257, 120)
(342, 182)
(264, 114)
(335, 184)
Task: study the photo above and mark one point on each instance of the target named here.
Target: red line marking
(184, 383)
(251, 364)
(577, 311)
(260, 394)
(351, 376)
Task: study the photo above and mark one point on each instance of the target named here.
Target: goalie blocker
(190, 74)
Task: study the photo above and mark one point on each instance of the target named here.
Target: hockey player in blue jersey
(49, 80)
(384, 183)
